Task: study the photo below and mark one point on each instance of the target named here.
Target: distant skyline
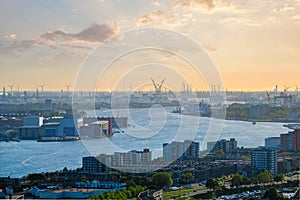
(254, 44)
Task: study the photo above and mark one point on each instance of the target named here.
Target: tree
(246, 158)
(211, 183)
(236, 179)
(36, 178)
(272, 194)
(162, 179)
(186, 178)
(279, 178)
(264, 176)
(253, 180)
(246, 181)
(220, 153)
(65, 169)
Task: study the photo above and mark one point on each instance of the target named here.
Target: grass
(179, 192)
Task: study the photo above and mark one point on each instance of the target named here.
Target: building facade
(181, 150)
(272, 143)
(265, 159)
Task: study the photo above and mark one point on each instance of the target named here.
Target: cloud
(94, 34)
(20, 45)
(194, 4)
(182, 11)
(150, 18)
(11, 36)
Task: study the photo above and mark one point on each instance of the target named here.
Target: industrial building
(34, 128)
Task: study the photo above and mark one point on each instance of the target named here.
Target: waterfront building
(68, 126)
(50, 129)
(91, 164)
(225, 145)
(33, 121)
(265, 159)
(291, 140)
(181, 150)
(120, 159)
(95, 129)
(272, 143)
(286, 141)
(296, 139)
(31, 129)
(29, 132)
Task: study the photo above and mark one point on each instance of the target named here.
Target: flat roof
(99, 122)
(51, 124)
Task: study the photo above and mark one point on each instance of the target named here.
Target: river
(149, 128)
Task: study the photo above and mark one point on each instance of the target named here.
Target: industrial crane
(158, 86)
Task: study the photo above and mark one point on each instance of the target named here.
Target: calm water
(148, 129)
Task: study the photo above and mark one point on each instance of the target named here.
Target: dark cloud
(95, 33)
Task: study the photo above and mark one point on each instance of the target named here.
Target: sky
(254, 45)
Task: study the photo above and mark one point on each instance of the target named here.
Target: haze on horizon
(254, 44)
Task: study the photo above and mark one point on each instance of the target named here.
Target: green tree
(162, 179)
(236, 179)
(65, 169)
(264, 176)
(220, 153)
(246, 181)
(272, 194)
(253, 180)
(186, 178)
(279, 178)
(212, 184)
(245, 158)
(35, 179)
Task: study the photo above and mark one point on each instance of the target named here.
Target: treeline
(131, 192)
(238, 111)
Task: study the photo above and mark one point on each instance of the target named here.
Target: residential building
(286, 141)
(91, 164)
(265, 159)
(296, 139)
(224, 145)
(272, 143)
(181, 150)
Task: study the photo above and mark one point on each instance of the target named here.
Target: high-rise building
(181, 150)
(91, 164)
(224, 145)
(265, 159)
(286, 141)
(296, 139)
(272, 143)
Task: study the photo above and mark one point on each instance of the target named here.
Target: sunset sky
(255, 44)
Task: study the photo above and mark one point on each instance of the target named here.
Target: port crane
(268, 94)
(158, 86)
(42, 87)
(11, 88)
(68, 87)
(286, 88)
(297, 90)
